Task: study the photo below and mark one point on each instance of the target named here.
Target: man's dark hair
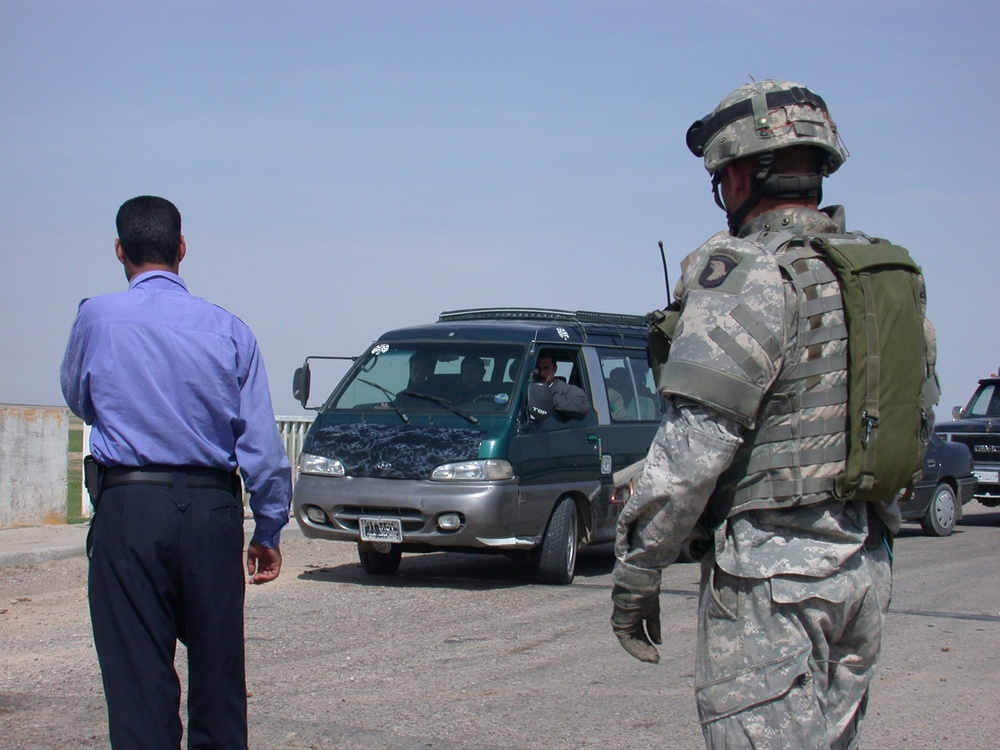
(149, 230)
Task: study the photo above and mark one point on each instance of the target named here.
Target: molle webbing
(747, 321)
(808, 428)
(770, 345)
(876, 377)
(733, 395)
(802, 419)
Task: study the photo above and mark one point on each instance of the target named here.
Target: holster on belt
(878, 533)
(93, 475)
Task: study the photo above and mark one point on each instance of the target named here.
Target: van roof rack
(538, 313)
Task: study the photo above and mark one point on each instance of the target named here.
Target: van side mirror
(956, 412)
(300, 384)
(539, 405)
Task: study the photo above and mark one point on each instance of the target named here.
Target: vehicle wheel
(942, 511)
(686, 555)
(379, 563)
(557, 557)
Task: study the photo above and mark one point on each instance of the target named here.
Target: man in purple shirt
(175, 390)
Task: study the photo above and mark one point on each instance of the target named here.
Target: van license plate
(987, 477)
(381, 529)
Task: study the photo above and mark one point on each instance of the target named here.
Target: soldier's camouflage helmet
(765, 116)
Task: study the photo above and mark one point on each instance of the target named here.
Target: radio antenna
(666, 275)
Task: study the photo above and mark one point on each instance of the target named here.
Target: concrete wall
(33, 447)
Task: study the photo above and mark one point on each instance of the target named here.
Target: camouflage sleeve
(732, 333)
(693, 446)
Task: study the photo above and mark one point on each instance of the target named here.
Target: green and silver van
(439, 437)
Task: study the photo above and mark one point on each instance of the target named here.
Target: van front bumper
(489, 511)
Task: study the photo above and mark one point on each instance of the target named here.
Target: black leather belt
(197, 477)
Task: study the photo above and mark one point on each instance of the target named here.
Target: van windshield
(418, 376)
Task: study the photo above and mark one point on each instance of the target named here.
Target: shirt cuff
(267, 536)
(639, 580)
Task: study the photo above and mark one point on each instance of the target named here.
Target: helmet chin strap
(767, 185)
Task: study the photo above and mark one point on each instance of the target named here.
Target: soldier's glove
(636, 622)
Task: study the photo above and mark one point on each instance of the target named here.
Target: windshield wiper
(391, 395)
(442, 402)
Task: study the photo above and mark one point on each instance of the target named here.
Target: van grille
(346, 516)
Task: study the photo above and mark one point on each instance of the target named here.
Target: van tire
(379, 563)
(686, 555)
(556, 562)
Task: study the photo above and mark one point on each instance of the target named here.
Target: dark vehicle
(977, 426)
(946, 485)
(439, 438)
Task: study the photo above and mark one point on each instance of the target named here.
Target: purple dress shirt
(165, 377)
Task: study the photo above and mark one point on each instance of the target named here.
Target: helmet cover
(764, 116)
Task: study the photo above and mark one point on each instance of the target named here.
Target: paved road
(467, 652)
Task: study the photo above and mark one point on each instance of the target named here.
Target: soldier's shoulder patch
(721, 263)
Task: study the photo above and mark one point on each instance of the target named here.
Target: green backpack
(884, 302)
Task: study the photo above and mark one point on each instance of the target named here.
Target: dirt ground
(468, 652)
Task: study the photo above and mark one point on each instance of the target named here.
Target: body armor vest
(798, 445)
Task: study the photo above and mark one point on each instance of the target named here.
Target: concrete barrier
(34, 441)
(36, 463)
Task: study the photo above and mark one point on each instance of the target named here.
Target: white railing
(293, 433)
(84, 497)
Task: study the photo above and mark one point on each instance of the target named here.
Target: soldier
(795, 583)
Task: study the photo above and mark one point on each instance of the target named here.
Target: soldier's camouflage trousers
(787, 662)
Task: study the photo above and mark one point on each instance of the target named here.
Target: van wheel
(941, 512)
(379, 563)
(557, 557)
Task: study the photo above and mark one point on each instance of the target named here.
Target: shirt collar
(796, 219)
(149, 276)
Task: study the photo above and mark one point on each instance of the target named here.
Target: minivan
(441, 437)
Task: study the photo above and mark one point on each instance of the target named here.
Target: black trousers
(167, 565)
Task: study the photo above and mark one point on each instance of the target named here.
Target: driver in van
(421, 370)
(568, 401)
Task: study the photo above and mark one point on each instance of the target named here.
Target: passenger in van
(473, 371)
(569, 401)
(618, 388)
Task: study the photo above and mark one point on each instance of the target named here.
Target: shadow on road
(476, 572)
(979, 515)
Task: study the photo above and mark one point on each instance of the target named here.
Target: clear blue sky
(348, 167)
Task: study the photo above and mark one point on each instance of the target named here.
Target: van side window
(631, 391)
(568, 382)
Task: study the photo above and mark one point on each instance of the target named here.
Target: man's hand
(263, 563)
(636, 622)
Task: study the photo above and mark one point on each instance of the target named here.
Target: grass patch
(74, 473)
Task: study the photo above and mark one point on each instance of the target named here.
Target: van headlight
(310, 463)
(488, 469)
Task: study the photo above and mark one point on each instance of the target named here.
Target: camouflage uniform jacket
(715, 458)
